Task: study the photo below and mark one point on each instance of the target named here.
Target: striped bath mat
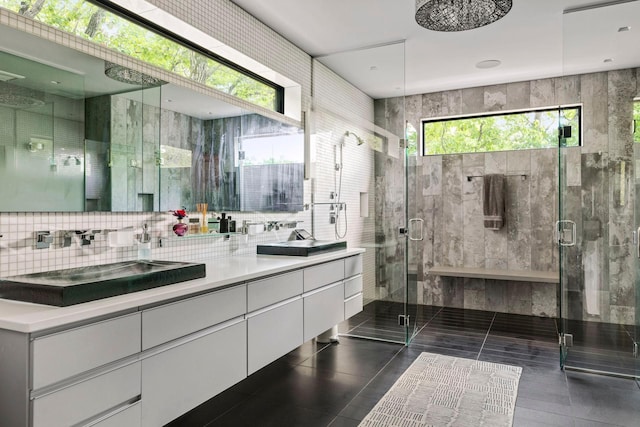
(439, 390)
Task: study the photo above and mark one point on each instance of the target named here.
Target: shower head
(358, 139)
(19, 97)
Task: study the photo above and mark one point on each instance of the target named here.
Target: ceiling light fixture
(489, 63)
(459, 15)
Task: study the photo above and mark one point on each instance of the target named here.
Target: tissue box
(255, 229)
(121, 238)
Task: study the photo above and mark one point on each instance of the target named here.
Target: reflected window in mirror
(81, 140)
(144, 41)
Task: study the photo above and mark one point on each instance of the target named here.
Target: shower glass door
(598, 204)
(636, 269)
(566, 238)
(390, 232)
(414, 247)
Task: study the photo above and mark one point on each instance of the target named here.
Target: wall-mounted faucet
(43, 239)
(87, 236)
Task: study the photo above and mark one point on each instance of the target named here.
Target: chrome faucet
(87, 236)
(44, 239)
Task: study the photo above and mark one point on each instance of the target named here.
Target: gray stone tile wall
(598, 183)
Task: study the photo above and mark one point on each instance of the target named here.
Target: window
(148, 43)
(504, 131)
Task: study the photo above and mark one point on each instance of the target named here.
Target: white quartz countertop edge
(28, 318)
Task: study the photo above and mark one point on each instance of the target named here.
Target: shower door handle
(419, 221)
(636, 240)
(560, 233)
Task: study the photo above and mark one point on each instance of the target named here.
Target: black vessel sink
(300, 247)
(77, 285)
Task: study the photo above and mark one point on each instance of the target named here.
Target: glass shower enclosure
(391, 229)
(598, 208)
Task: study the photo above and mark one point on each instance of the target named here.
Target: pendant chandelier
(459, 15)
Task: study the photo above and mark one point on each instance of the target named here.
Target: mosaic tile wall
(598, 197)
(338, 108)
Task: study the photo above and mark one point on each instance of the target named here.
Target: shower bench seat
(496, 274)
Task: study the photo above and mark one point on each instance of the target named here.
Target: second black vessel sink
(300, 247)
(82, 284)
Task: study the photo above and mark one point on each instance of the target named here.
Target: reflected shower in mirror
(92, 135)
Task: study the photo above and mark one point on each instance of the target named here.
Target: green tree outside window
(94, 23)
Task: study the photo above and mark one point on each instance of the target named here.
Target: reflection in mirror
(122, 134)
(81, 140)
(41, 144)
(220, 173)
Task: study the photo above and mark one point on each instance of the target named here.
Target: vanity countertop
(222, 272)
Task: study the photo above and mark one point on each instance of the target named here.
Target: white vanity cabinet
(323, 297)
(109, 392)
(76, 374)
(147, 364)
(186, 374)
(352, 286)
(70, 352)
(274, 322)
(323, 309)
(196, 348)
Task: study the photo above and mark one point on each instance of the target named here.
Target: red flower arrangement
(180, 213)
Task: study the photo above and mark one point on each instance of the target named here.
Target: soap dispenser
(144, 245)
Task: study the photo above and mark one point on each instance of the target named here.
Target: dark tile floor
(338, 384)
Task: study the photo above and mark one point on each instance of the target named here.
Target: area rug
(439, 390)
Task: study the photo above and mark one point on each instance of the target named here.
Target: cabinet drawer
(262, 293)
(353, 305)
(168, 322)
(323, 274)
(181, 378)
(323, 310)
(87, 399)
(352, 286)
(353, 266)
(68, 353)
(273, 333)
(128, 417)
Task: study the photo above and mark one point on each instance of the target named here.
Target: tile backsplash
(18, 253)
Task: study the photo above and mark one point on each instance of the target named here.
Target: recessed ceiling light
(489, 63)
(607, 60)
(373, 68)
(55, 82)
(623, 29)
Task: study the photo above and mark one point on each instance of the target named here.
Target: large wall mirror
(82, 134)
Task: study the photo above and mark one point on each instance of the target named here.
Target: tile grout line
(367, 384)
(426, 324)
(487, 335)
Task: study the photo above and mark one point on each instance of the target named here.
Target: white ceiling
(535, 40)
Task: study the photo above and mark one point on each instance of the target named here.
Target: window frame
(164, 32)
(578, 106)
